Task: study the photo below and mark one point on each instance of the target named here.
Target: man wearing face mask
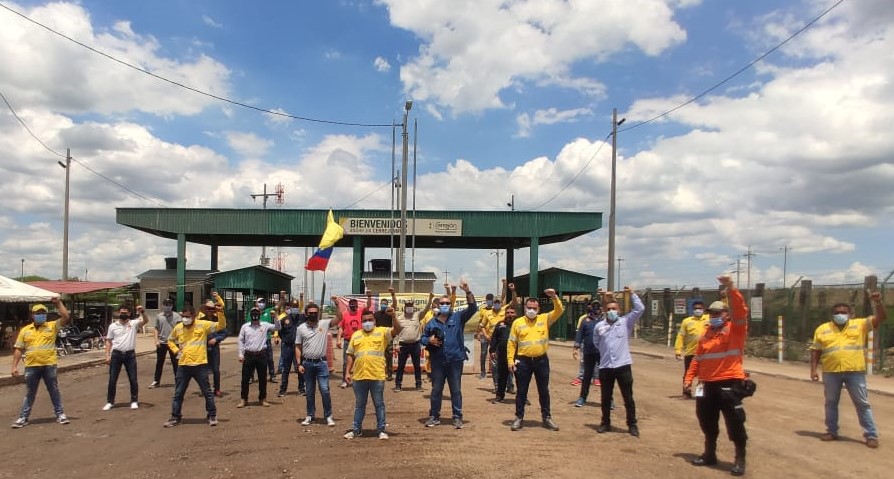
(37, 342)
(408, 343)
(839, 347)
(311, 340)
(384, 319)
(253, 345)
(267, 314)
(164, 324)
(691, 329)
(350, 323)
(485, 316)
(121, 342)
(611, 336)
(213, 310)
(718, 366)
(443, 338)
(583, 340)
(499, 341)
(526, 356)
(289, 322)
(189, 341)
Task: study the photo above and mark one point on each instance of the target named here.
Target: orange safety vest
(719, 352)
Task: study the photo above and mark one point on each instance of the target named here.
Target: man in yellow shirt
(691, 329)
(366, 369)
(37, 341)
(526, 356)
(189, 341)
(839, 346)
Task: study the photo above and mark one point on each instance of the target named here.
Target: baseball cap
(38, 307)
(717, 306)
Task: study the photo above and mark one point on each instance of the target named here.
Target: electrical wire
(389, 182)
(737, 72)
(190, 88)
(575, 177)
(25, 125)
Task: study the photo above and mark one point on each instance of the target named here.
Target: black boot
(739, 467)
(709, 457)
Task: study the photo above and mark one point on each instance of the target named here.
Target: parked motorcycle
(74, 340)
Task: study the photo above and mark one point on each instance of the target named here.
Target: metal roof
(172, 273)
(382, 275)
(562, 280)
(76, 287)
(302, 228)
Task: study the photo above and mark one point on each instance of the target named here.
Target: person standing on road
(718, 366)
(839, 347)
(410, 332)
(526, 356)
(499, 340)
(443, 337)
(289, 321)
(311, 340)
(367, 365)
(213, 311)
(253, 354)
(611, 336)
(384, 318)
(583, 340)
(189, 341)
(37, 342)
(691, 329)
(485, 315)
(350, 323)
(164, 324)
(121, 343)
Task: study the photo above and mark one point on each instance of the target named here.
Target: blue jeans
(129, 361)
(317, 371)
(856, 387)
(452, 373)
(33, 375)
(363, 389)
(200, 374)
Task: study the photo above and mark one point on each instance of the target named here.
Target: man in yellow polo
(691, 329)
(839, 346)
(366, 369)
(37, 342)
(526, 355)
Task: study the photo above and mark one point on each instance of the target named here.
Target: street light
(402, 249)
(67, 167)
(611, 214)
(23, 269)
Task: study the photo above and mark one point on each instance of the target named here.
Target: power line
(193, 89)
(389, 182)
(25, 125)
(574, 178)
(737, 72)
(119, 185)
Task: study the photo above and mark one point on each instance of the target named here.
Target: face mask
(369, 326)
(839, 319)
(293, 311)
(255, 317)
(716, 322)
(490, 304)
(444, 308)
(497, 305)
(168, 309)
(262, 305)
(40, 318)
(311, 317)
(530, 313)
(187, 321)
(409, 310)
(698, 312)
(383, 307)
(611, 315)
(123, 317)
(352, 307)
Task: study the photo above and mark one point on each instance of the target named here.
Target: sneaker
(330, 422)
(351, 434)
(510, 390)
(580, 402)
(217, 393)
(432, 422)
(517, 424)
(265, 403)
(173, 422)
(272, 379)
(62, 419)
(383, 435)
(612, 406)
(212, 421)
(108, 406)
(550, 424)
(829, 437)
(281, 395)
(419, 387)
(20, 423)
(396, 389)
(343, 385)
(307, 421)
(576, 382)
(633, 430)
(302, 391)
(135, 405)
(154, 385)
(457, 423)
(601, 428)
(241, 404)
(872, 443)
(596, 382)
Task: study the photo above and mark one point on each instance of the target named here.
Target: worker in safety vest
(839, 346)
(691, 329)
(718, 366)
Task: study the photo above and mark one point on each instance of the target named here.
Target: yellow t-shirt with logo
(39, 344)
(368, 350)
(842, 349)
(193, 341)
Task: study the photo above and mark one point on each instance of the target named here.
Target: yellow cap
(38, 307)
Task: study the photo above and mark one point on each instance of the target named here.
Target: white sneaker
(307, 421)
(108, 406)
(351, 435)
(330, 421)
(134, 405)
(383, 435)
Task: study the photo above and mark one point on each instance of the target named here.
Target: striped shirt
(253, 338)
(313, 340)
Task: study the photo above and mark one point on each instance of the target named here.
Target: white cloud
(332, 54)
(549, 116)
(382, 64)
(248, 145)
(207, 20)
(280, 119)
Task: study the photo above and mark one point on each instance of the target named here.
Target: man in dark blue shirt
(290, 319)
(583, 340)
(498, 352)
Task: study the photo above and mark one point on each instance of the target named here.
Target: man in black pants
(583, 340)
(408, 341)
(290, 319)
(253, 354)
(498, 341)
(164, 324)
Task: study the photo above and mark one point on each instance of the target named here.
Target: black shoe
(738, 469)
(603, 428)
(705, 461)
(272, 379)
(634, 431)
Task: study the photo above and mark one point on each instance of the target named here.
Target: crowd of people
(514, 345)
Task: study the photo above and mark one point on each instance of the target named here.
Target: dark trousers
(590, 362)
(719, 398)
(184, 375)
(482, 356)
(254, 363)
(502, 373)
(525, 368)
(624, 376)
(271, 368)
(687, 360)
(288, 363)
(129, 361)
(408, 350)
(214, 365)
(161, 351)
(389, 361)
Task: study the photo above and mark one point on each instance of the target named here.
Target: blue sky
(510, 97)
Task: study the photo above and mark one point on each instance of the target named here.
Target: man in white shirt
(121, 341)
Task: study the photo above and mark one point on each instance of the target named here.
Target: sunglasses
(444, 304)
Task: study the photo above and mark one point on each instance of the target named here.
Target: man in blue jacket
(443, 338)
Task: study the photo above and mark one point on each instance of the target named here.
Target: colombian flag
(320, 258)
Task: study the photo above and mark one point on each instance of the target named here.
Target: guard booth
(241, 287)
(574, 289)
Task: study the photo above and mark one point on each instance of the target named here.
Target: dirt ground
(785, 418)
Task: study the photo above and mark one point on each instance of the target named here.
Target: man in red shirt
(350, 323)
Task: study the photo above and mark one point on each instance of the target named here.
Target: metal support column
(357, 268)
(181, 270)
(534, 268)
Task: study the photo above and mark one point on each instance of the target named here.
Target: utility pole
(619, 272)
(748, 255)
(511, 203)
(446, 276)
(23, 270)
(785, 249)
(402, 248)
(611, 214)
(265, 261)
(497, 253)
(67, 167)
